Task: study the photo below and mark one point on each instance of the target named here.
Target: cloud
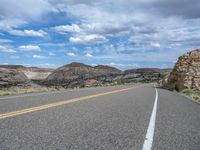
(30, 48)
(137, 30)
(156, 45)
(14, 14)
(88, 39)
(185, 8)
(7, 24)
(71, 54)
(67, 28)
(88, 55)
(5, 40)
(124, 66)
(39, 33)
(39, 57)
(7, 49)
(31, 9)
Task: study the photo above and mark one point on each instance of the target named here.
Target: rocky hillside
(143, 70)
(32, 73)
(75, 75)
(35, 73)
(107, 70)
(81, 75)
(186, 72)
(11, 77)
(78, 74)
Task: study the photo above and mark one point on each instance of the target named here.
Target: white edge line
(150, 131)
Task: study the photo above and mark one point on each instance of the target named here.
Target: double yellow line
(42, 107)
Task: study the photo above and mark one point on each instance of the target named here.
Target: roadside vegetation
(190, 93)
(25, 90)
(40, 89)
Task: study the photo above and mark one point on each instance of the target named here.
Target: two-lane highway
(109, 118)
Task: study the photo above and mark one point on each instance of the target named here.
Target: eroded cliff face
(10, 77)
(186, 72)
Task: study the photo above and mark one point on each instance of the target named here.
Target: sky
(122, 33)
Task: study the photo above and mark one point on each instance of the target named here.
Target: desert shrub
(188, 92)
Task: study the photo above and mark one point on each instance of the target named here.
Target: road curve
(114, 118)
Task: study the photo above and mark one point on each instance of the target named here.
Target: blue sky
(121, 33)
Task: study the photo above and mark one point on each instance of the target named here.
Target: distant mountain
(78, 74)
(104, 69)
(12, 66)
(143, 70)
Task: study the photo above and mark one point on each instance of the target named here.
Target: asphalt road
(110, 118)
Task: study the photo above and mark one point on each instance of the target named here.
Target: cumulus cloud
(39, 57)
(39, 33)
(71, 54)
(67, 28)
(88, 39)
(7, 24)
(136, 28)
(88, 55)
(7, 49)
(30, 48)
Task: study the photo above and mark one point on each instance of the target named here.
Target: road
(111, 118)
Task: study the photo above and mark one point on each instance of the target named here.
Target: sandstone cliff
(186, 72)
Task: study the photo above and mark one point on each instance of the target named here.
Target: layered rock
(10, 77)
(186, 72)
(80, 75)
(33, 73)
(107, 70)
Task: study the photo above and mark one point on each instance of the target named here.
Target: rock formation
(186, 72)
(74, 75)
(11, 77)
(80, 75)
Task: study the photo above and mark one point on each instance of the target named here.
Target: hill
(78, 74)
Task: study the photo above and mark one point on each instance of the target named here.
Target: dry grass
(191, 94)
(21, 90)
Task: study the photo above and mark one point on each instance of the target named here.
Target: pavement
(108, 118)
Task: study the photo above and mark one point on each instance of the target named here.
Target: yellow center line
(55, 104)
